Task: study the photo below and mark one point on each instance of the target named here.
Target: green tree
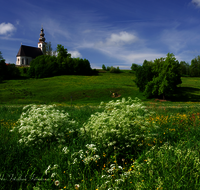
(1, 56)
(184, 68)
(167, 75)
(143, 75)
(114, 70)
(3, 70)
(195, 67)
(134, 67)
(104, 67)
(48, 49)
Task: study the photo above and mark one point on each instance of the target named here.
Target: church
(27, 53)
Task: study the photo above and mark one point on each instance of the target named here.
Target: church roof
(29, 51)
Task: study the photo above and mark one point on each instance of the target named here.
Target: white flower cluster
(53, 168)
(39, 122)
(121, 123)
(88, 157)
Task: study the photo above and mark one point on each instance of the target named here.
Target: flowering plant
(44, 123)
(122, 124)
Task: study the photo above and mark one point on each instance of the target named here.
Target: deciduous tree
(167, 76)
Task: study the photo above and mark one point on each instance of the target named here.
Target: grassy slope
(87, 90)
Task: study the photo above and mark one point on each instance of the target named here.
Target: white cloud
(6, 28)
(118, 39)
(196, 2)
(75, 54)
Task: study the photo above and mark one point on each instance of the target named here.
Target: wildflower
(57, 183)
(77, 186)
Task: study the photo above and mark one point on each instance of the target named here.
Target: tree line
(48, 65)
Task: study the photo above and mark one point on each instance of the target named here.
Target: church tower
(42, 43)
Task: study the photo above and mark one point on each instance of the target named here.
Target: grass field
(168, 161)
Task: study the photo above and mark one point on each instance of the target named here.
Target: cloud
(75, 54)
(118, 39)
(6, 28)
(196, 2)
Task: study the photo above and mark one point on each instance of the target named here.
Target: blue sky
(110, 32)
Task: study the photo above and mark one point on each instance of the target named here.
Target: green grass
(85, 90)
(160, 168)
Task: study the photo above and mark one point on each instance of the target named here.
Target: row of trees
(50, 65)
(111, 69)
(8, 71)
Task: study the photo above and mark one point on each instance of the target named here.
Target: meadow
(119, 144)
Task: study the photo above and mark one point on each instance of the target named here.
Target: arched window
(26, 61)
(18, 60)
(22, 61)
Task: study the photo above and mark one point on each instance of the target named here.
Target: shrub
(12, 72)
(108, 68)
(114, 70)
(41, 123)
(122, 124)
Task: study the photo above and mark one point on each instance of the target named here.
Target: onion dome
(42, 38)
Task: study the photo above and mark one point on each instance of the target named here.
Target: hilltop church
(27, 53)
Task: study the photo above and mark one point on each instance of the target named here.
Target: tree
(195, 67)
(1, 56)
(43, 66)
(167, 75)
(114, 70)
(104, 67)
(3, 70)
(134, 67)
(184, 68)
(143, 74)
(48, 49)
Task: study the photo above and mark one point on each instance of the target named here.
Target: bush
(44, 66)
(122, 125)
(38, 125)
(114, 70)
(3, 70)
(12, 72)
(108, 68)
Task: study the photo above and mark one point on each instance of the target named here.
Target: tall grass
(169, 161)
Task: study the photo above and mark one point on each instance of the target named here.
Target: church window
(26, 61)
(18, 60)
(22, 61)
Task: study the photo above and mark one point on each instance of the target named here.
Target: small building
(27, 53)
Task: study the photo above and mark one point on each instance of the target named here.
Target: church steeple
(42, 43)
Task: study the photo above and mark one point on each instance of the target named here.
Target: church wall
(23, 60)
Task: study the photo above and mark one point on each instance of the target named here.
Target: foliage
(143, 74)
(185, 68)
(12, 72)
(44, 123)
(62, 53)
(43, 66)
(48, 49)
(171, 160)
(108, 68)
(121, 125)
(134, 67)
(104, 67)
(114, 70)
(3, 70)
(81, 66)
(49, 66)
(195, 67)
(1, 56)
(160, 77)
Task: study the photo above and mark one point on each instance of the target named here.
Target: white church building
(27, 53)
